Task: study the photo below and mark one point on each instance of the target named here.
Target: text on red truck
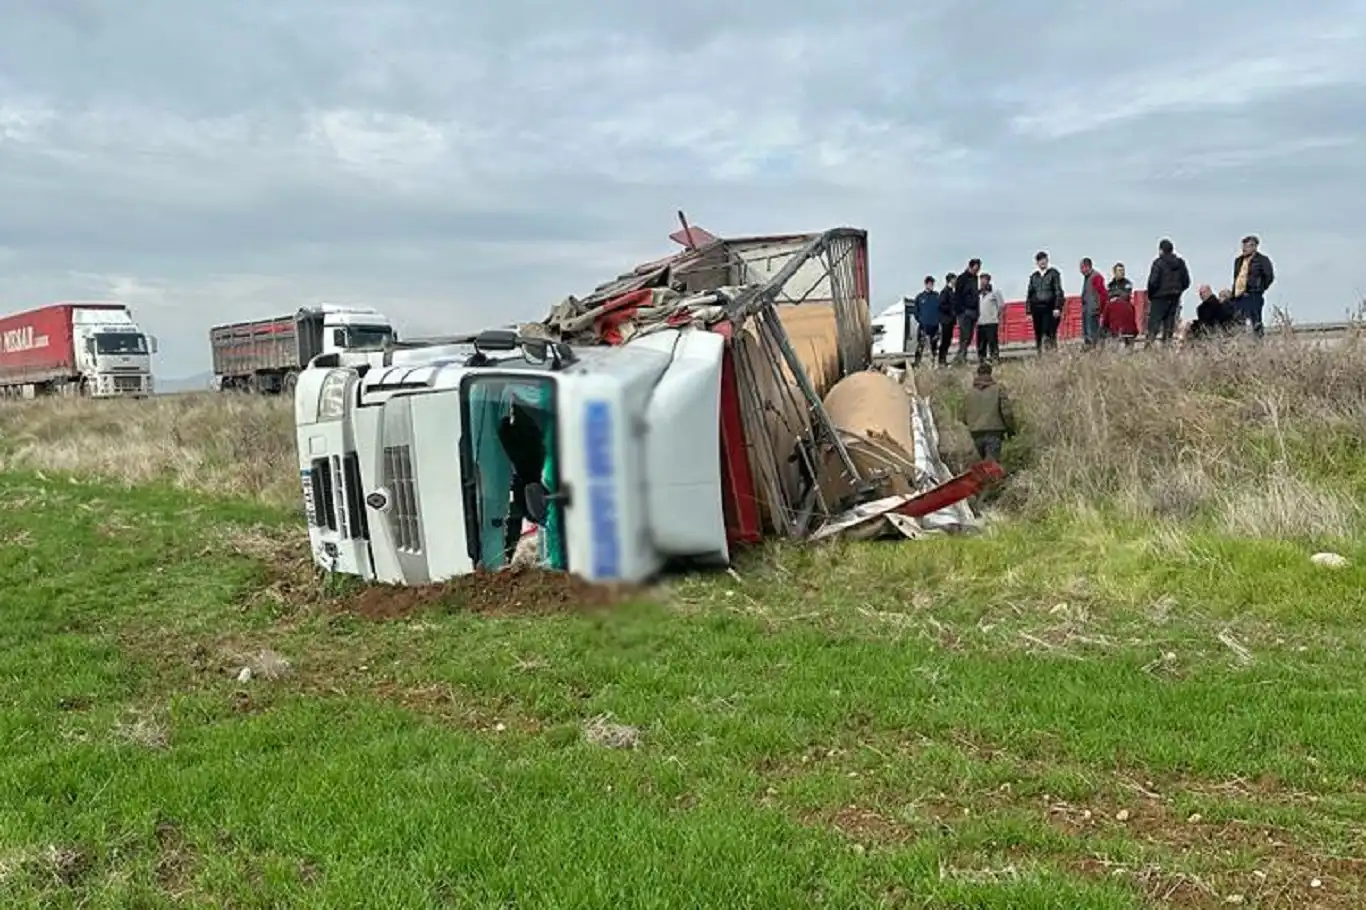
(21, 339)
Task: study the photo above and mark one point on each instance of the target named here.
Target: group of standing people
(971, 304)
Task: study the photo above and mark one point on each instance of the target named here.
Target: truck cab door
(334, 340)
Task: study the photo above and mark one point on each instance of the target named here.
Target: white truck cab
(113, 355)
(349, 328)
(429, 462)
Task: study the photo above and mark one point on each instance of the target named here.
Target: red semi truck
(75, 348)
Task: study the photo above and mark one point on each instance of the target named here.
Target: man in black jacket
(947, 319)
(1252, 277)
(1045, 300)
(1213, 317)
(1168, 279)
(967, 307)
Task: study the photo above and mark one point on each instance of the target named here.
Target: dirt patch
(176, 860)
(1229, 862)
(1171, 855)
(293, 582)
(508, 593)
(448, 704)
(867, 827)
(52, 868)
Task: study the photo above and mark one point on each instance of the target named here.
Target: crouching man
(988, 413)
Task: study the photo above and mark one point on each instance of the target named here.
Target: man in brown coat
(989, 414)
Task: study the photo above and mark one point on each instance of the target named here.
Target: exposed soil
(1183, 859)
(1285, 873)
(293, 581)
(508, 593)
(865, 826)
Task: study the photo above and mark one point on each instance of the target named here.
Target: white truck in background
(265, 356)
(93, 349)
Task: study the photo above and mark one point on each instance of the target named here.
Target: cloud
(1311, 56)
(462, 164)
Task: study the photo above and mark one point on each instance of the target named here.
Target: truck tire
(288, 383)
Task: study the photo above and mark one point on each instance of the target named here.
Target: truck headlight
(332, 397)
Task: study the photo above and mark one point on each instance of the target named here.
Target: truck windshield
(368, 336)
(510, 440)
(120, 343)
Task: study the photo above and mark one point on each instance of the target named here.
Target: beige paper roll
(873, 412)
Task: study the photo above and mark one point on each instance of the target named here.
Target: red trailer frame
(829, 267)
(1017, 328)
(38, 346)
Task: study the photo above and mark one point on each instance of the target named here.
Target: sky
(460, 165)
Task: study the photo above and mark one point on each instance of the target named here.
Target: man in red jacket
(1094, 298)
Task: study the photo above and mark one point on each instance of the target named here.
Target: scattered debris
(1329, 560)
(269, 665)
(1240, 651)
(144, 730)
(602, 731)
(244, 675)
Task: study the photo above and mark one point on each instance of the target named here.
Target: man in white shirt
(989, 322)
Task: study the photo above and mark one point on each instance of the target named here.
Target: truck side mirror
(152, 343)
(339, 337)
(537, 501)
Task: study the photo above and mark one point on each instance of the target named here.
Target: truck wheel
(288, 384)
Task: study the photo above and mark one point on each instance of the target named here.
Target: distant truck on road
(92, 349)
(265, 356)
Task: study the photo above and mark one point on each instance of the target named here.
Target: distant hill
(196, 383)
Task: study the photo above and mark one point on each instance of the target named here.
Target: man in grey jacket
(992, 301)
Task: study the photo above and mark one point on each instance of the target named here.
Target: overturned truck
(699, 403)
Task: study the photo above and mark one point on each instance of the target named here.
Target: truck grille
(128, 383)
(336, 491)
(403, 520)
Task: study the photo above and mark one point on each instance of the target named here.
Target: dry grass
(220, 444)
(1261, 440)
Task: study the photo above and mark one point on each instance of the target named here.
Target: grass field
(1135, 689)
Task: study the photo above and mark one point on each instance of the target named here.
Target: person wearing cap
(922, 315)
(989, 323)
(1252, 278)
(1045, 300)
(988, 413)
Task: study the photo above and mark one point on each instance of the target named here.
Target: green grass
(1076, 712)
